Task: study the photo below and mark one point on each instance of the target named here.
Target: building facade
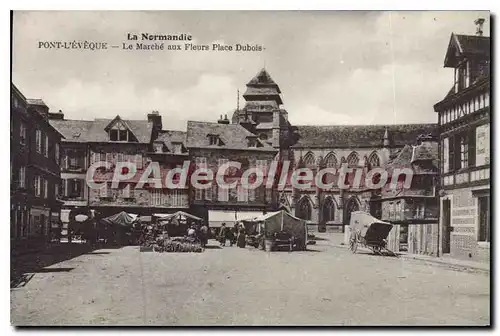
(114, 141)
(364, 147)
(464, 149)
(35, 170)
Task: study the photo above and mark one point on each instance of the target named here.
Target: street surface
(232, 286)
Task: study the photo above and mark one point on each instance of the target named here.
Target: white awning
(217, 217)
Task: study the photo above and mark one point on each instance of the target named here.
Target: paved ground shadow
(213, 247)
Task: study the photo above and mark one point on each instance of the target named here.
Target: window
(37, 185)
(374, 160)
(46, 148)
(177, 199)
(484, 219)
(213, 139)
(158, 147)
(487, 99)
(22, 133)
(113, 135)
(464, 151)
(38, 141)
(262, 166)
(45, 188)
(242, 194)
(309, 161)
(75, 188)
(138, 161)
(156, 197)
(198, 194)
(105, 191)
(201, 162)
(223, 194)
(353, 159)
(128, 191)
(177, 147)
(331, 161)
(123, 135)
(56, 190)
(208, 194)
(57, 154)
(22, 177)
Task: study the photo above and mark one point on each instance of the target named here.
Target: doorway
(446, 225)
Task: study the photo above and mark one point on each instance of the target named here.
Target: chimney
(56, 115)
(479, 26)
(224, 121)
(155, 118)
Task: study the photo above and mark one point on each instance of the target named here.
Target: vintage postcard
(250, 168)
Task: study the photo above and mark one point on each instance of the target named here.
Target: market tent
(281, 221)
(121, 219)
(178, 215)
(217, 217)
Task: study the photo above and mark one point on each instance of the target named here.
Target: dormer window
(462, 77)
(213, 140)
(120, 132)
(252, 141)
(158, 147)
(177, 147)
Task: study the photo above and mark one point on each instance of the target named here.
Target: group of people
(199, 232)
(235, 235)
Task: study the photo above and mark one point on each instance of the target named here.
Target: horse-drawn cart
(369, 232)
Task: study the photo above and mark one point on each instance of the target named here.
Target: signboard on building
(483, 145)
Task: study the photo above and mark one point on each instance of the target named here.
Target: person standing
(241, 241)
(223, 234)
(204, 235)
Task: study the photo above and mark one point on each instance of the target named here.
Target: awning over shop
(217, 217)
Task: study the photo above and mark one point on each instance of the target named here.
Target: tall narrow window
(464, 151)
(46, 147)
(242, 194)
(22, 177)
(56, 153)
(223, 194)
(37, 185)
(45, 188)
(38, 138)
(22, 133)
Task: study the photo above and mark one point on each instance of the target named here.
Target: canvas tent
(121, 219)
(274, 222)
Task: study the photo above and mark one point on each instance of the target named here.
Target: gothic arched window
(303, 210)
(330, 161)
(328, 210)
(374, 160)
(309, 160)
(353, 159)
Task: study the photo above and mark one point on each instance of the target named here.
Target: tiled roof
(360, 135)
(170, 137)
(473, 44)
(94, 130)
(35, 102)
(263, 78)
(256, 91)
(233, 136)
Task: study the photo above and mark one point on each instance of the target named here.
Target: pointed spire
(386, 137)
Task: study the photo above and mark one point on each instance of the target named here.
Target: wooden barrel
(268, 243)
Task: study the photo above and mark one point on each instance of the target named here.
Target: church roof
(361, 135)
(263, 78)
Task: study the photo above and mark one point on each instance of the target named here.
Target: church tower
(264, 112)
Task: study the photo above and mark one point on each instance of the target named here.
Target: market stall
(277, 228)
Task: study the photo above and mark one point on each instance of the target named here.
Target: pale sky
(332, 67)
